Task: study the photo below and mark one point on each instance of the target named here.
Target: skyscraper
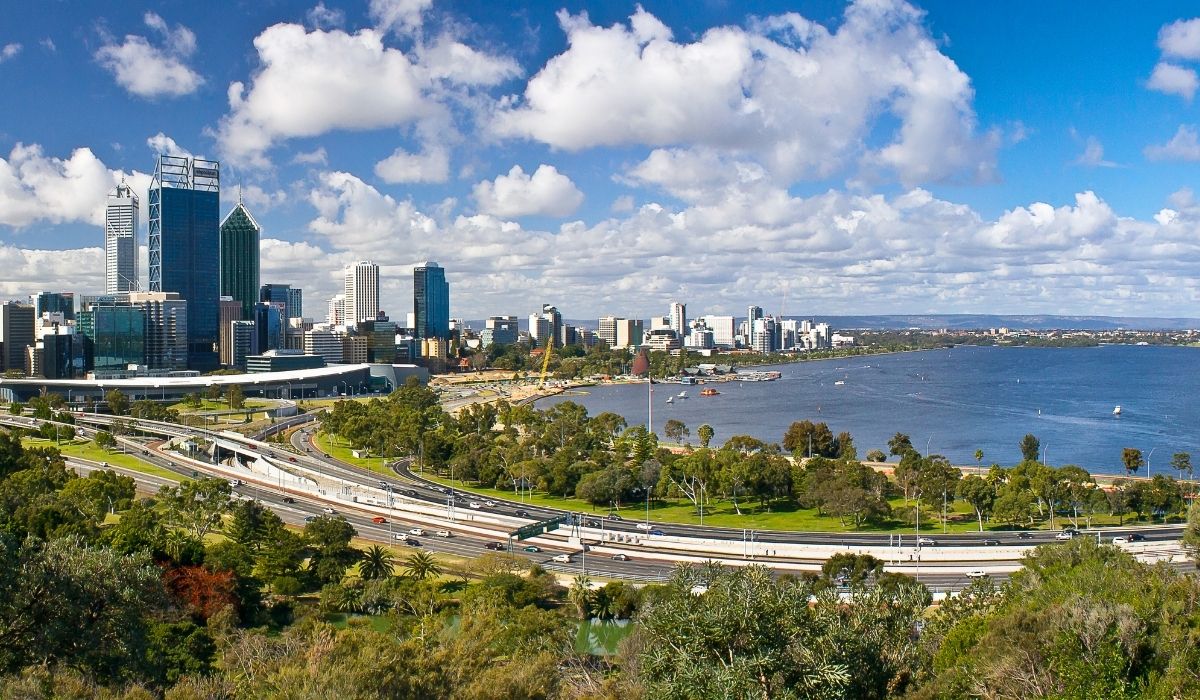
(16, 334)
(678, 319)
(120, 240)
(240, 235)
(295, 302)
(431, 302)
(166, 328)
(336, 316)
(54, 302)
(185, 203)
(362, 292)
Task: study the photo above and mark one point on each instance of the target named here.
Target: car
(926, 542)
(644, 526)
(309, 518)
(145, 452)
(521, 513)
(976, 573)
(410, 492)
(562, 558)
(620, 557)
(475, 505)
(532, 548)
(379, 520)
(416, 531)
(288, 499)
(1136, 537)
(232, 482)
(1066, 535)
(1121, 539)
(408, 541)
(490, 504)
(443, 533)
(291, 459)
(658, 533)
(104, 465)
(593, 523)
(384, 485)
(1025, 535)
(991, 543)
(495, 546)
(613, 516)
(328, 511)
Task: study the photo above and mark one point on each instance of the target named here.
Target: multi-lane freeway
(652, 549)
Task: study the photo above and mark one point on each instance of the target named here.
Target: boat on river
(709, 392)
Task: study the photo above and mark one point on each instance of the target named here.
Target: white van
(562, 558)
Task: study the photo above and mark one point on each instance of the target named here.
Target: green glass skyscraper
(431, 302)
(239, 258)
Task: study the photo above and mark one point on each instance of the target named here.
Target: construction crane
(546, 360)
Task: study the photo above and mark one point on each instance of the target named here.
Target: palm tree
(580, 595)
(422, 565)
(376, 563)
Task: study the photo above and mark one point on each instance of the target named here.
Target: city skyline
(1023, 178)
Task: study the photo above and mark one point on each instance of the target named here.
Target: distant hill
(1016, 322)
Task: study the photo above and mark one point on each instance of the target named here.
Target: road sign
(539, 528)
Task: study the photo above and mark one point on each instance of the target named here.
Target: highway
(648, 559)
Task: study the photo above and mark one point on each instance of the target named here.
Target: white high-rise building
(336, 315)
(677, 318)
(724, 330)
(607, 330)
(120, 241)
(362, 291)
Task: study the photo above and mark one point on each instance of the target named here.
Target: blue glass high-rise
(185, 250)
(431, 302)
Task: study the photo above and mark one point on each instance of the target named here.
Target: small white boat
(839, 382)
(670, 399)
(683, 394)
(1116, 410)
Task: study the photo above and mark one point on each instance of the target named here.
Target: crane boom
(546, 360)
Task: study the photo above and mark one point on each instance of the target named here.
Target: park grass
(785, 516)
(209, 405)
(89, 450)
(334, 448)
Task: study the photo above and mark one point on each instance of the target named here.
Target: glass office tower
(120, 240)
(240, 258)
(185, 202)
(431, 302)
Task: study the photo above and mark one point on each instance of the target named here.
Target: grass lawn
(89, 450)
(337, 449)
(782, 516)
(210, 405)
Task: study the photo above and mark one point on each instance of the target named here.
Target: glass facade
(431, 302)
(269, 327)
(185, 202)
(55, 302)
(282, 295)
(240, 258)
(116, 337)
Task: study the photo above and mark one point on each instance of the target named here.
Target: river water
(952, 402)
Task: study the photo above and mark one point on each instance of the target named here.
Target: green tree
(422, 565)
(1182, 463)
(581, 596)
(675, 430)
(117, 402)
(1191, 533)
(978, 457)
(104, 440)
(237, 397)
(876, 456)
(1030, 448)
(330, 554)
(805, 438)
(1131, 458)
(705, 433)
(196, 506)
(376, 563)
(979, 493)
(899, 444)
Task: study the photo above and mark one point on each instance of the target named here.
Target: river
(953, 402)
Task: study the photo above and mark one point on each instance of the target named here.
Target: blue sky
(870, 157)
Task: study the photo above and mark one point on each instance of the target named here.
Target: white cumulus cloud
(790, 92)
(545, 193)
(9, 51)
(401, 15)
(1184, 145)
(36, 187)
(1181, 39)
(147, 70)
(1171, 79)
(433, 165)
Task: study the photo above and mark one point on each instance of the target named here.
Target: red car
(379, 519)
(291, 459)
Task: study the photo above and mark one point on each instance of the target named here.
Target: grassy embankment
(89, 450)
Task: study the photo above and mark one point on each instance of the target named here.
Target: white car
(562, 558)
(416, 531)
(926, 542)
(977, 573)
(328, 510)
(444, 533)
(1066, 535)
(476, 505)
(644, 526)
(490, 504)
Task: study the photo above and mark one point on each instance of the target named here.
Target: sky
(810, 157)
